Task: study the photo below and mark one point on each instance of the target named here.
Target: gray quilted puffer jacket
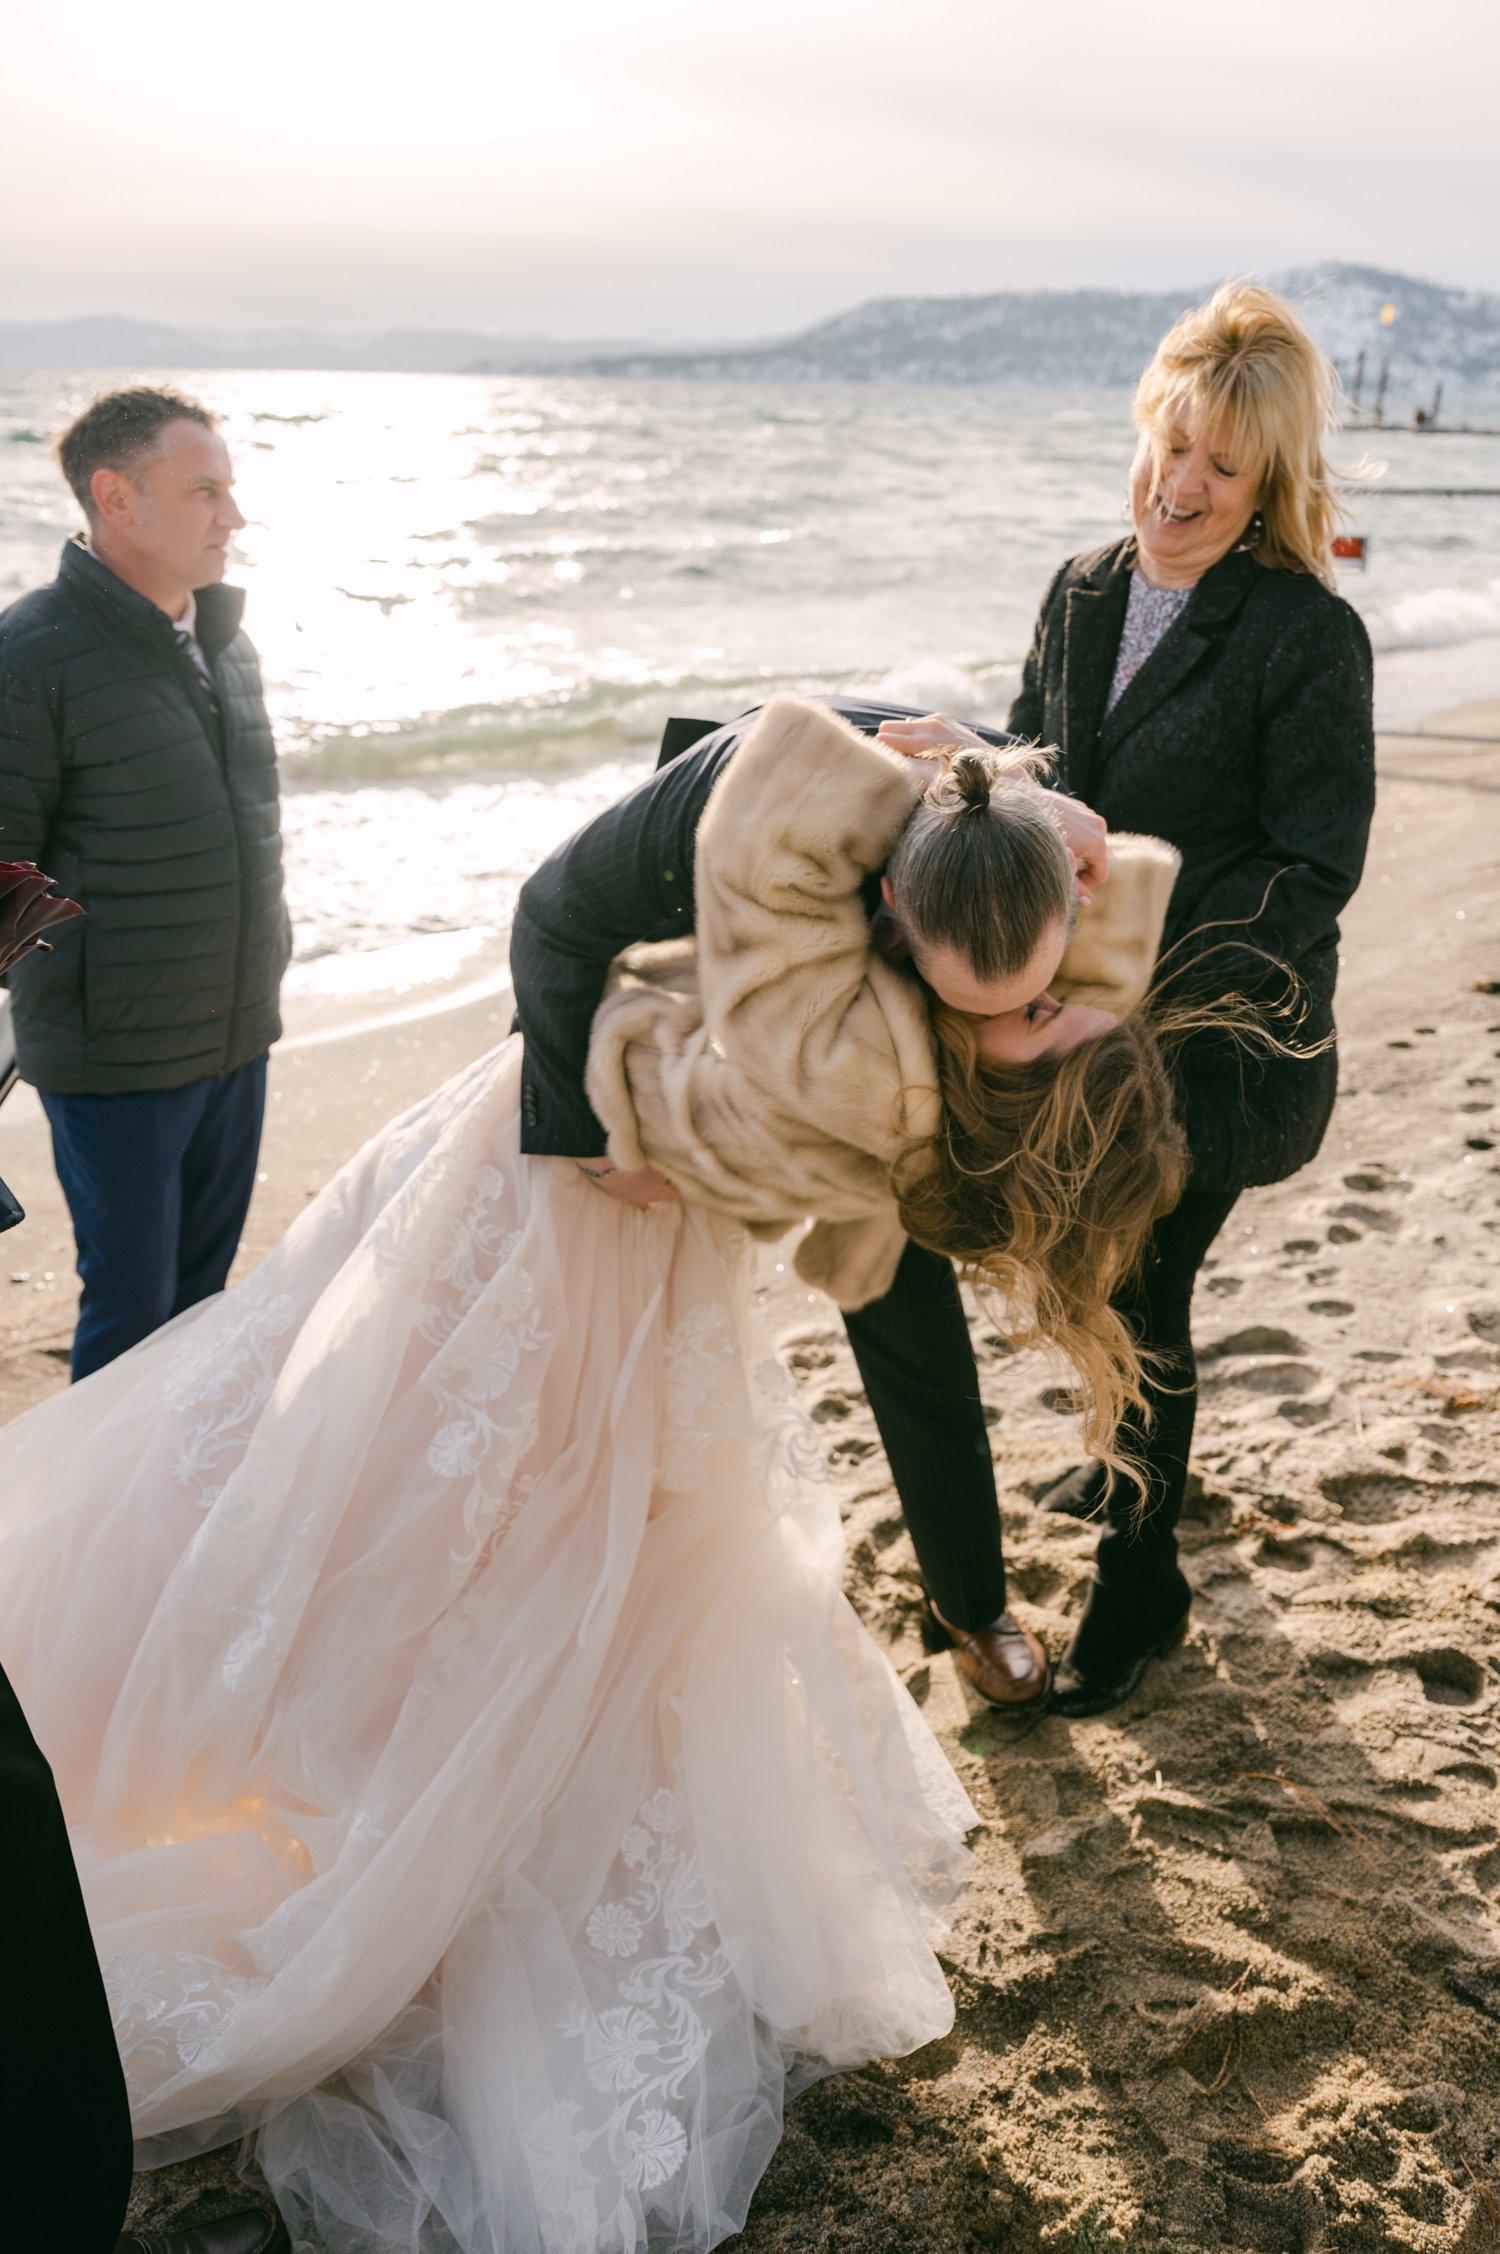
(155, 804)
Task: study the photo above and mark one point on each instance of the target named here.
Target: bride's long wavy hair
(1046, 1179)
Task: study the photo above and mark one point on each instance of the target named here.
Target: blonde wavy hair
(1244, 368)
(1044, 1184)
(1046, 1179)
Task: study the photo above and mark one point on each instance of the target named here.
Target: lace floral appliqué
(705, 1393)
(170, 2011)
(484, 1325)
(221, 1380)
(641, 2048)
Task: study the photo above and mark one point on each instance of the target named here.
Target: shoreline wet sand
(1228, 1975)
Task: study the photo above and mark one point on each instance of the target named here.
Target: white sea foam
(1433, 618)
(430, 960)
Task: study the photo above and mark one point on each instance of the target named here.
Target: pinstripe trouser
(917, 1362)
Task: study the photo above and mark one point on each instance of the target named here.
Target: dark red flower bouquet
(28, 907)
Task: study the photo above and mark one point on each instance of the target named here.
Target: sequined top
(1149, 614)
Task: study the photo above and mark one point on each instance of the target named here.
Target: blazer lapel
(1092, 624)
(1215, 600)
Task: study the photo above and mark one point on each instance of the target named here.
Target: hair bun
(972, 774)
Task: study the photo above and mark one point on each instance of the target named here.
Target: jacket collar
(1093, 618)
(219, 608)
(1093, 630)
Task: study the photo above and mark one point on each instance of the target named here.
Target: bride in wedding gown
(479, 1783)
(481, 1788)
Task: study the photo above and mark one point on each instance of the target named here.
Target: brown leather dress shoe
(250, 2232)
(1004, 1662)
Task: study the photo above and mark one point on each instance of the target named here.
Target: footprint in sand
(1376, 1180)
(810, 1352)
(833, 1407)
(1263, 1354)
(1366, 1216)
(1225, 1286)
(1271, 1377)
(1298, 1553)
(1371, 1498)
(1449, 1677)
(1061, 1400)
(1469, 1772)
(1256, 1338)
(1330, 1307)
(851, 1449)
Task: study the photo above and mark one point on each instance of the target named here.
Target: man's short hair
(119, 430)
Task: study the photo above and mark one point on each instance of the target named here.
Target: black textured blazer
(1247, 739)
(154, 802)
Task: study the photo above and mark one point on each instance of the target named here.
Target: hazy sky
(698, 168)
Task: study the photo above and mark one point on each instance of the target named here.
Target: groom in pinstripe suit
(628, 876)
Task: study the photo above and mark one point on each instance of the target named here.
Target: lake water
(476, 599)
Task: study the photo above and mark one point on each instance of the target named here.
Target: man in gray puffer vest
(137, 765)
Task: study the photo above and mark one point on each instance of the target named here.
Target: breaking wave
(1434, 618)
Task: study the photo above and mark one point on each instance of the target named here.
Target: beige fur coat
(773, 1067)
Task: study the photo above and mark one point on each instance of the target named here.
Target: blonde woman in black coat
(1205, 684)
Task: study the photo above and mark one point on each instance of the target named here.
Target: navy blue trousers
(158, 1185)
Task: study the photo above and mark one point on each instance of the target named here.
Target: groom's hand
(638, 1185)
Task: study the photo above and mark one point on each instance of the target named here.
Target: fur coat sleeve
(1112, 953)
(774, 1068)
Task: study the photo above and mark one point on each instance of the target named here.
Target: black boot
(1080, 1495)
(1119, 1634)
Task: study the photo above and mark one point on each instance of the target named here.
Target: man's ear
(886, 893)
(113, 496)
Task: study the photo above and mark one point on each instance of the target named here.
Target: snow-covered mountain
(1082, 338)
(1050, 339)
(108, 340)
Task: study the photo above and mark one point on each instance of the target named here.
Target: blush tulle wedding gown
(481, 1787)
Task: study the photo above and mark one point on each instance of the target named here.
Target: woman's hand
(1086, 836)
(639, 1186)
(924, 739)
(1085, 833)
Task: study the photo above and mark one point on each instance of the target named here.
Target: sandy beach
(1228, 1976)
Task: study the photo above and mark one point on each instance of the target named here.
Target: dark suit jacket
(1247, 740)
(626, 876)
